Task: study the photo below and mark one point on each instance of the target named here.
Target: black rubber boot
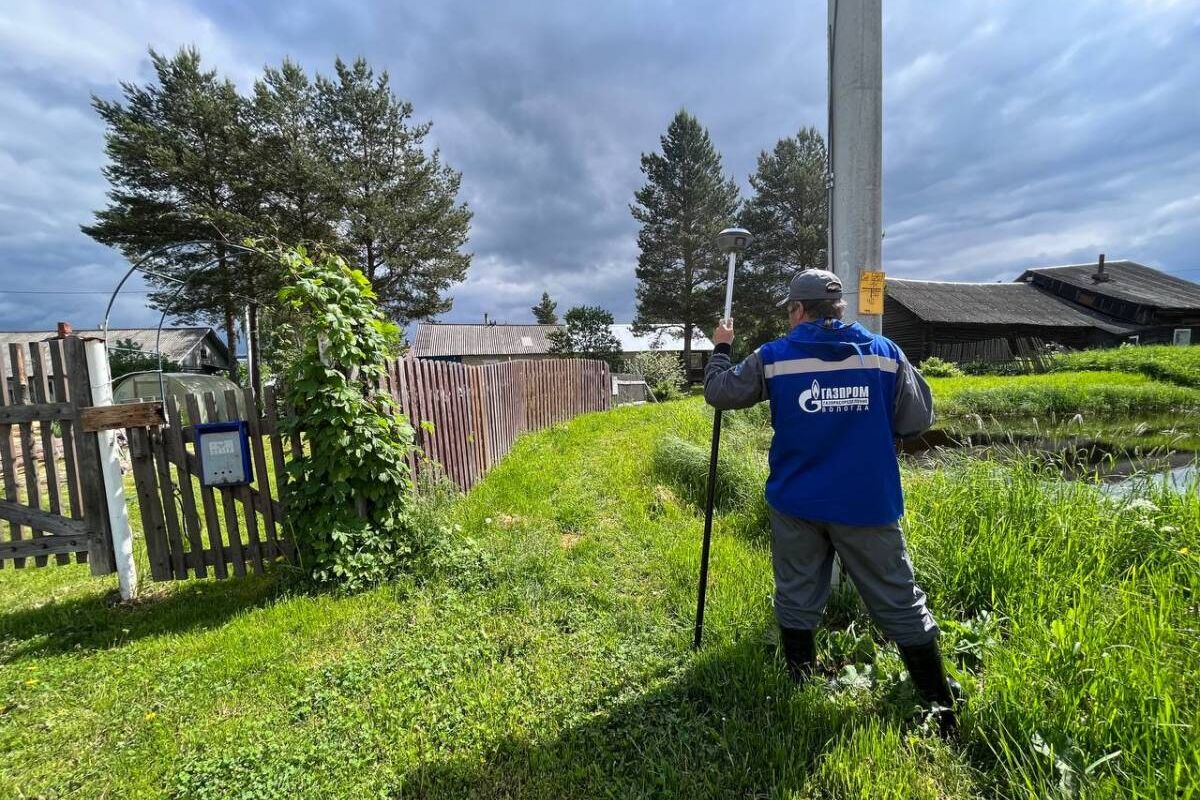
(928, 673)
(799, 652)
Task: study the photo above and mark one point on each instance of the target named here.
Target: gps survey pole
(733, 241)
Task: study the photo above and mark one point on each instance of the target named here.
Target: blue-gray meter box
(224, 452)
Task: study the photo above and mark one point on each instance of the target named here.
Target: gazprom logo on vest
(835, 398)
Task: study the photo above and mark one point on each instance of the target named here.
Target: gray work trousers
(877, 560)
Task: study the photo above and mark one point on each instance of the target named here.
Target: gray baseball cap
(813, 284)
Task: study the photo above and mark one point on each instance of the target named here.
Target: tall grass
(1178, 365)
(1096, 394)
(1097, 685)
(551, 657)
(1092, 687)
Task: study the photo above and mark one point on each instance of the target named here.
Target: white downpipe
(110, 466)
(729, 285)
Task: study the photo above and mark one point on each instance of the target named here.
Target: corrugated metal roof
(434, 340)
(1129, 281)
(176, 343)
(994, 304)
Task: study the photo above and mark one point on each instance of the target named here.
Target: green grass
(1058, 395)
(557, 663)
(1179, 365)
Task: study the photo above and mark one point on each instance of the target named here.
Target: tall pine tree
(685, 202)
(400, 219)
(543, 312)
(334, 161)
(788, 215)
(179, 165)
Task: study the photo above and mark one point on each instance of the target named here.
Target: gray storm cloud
(1015, 133)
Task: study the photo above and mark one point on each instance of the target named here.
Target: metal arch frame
(139, 266)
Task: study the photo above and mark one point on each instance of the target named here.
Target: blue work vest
(832, 391)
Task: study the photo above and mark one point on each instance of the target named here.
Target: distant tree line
(336, 160)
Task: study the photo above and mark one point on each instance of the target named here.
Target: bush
(663, 372)
(348, 497)
(934, 367)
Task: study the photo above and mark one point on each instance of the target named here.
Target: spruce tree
(685, 202)
(399, 217)
(543, 312)
(788, 215)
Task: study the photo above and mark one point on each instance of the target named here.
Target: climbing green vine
(349, 496)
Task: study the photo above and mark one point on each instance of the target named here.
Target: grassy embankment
(556, 662)
(1137, 401)
(1178, 365)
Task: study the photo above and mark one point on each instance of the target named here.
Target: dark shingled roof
(1129, 281)
(994, 304)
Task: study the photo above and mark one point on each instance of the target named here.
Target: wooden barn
(1077, 306)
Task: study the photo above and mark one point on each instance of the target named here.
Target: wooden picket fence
(53, 510)
(467, 417)
(53, 502)
(190, 528)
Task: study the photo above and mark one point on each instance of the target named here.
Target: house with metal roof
(193, 349)
(488, 343)
(1076, 306)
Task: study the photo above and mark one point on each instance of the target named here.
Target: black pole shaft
(708, 522)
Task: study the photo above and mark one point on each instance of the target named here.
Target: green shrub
(348, 497)
(934, 367)
(663, 372)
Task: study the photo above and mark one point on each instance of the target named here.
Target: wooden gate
(190, 528)
(54, 500)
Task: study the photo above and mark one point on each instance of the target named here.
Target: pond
(1180, 478)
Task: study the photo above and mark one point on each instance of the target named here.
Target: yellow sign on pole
(870, 292)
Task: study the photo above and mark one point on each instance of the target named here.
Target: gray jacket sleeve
(728, 387)
(912, 414)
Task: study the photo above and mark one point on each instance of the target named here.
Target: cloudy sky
(1015, 133)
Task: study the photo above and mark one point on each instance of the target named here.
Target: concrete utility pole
(856, 146)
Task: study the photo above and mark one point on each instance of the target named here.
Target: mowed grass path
(561, 666)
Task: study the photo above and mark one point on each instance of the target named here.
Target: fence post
(110, 467)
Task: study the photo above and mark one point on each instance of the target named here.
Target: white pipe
(110, 466)
(729, 285)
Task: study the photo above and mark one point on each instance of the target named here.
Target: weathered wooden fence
(189, 527)
(54, 502)
(467, 417)
(1027, 349)
(55, 507)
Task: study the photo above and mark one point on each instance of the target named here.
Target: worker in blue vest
(840, 396)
